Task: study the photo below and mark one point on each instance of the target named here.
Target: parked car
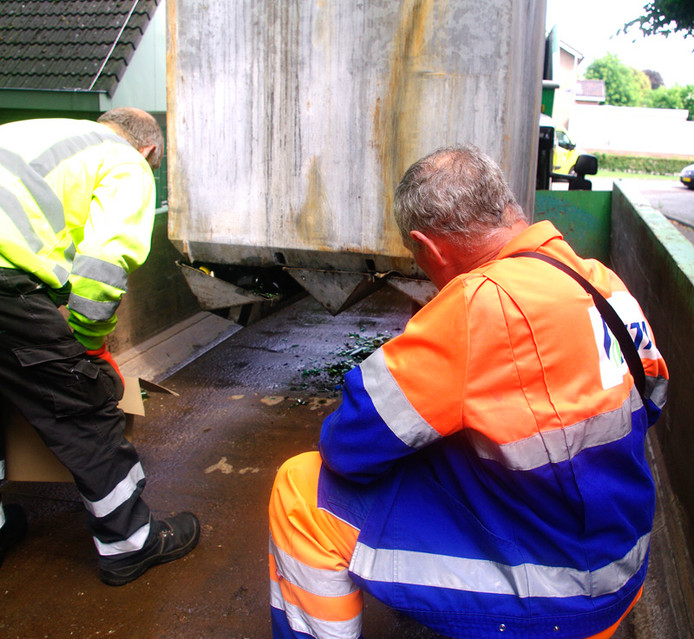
(687, 176)
(565, 151)
(559, 160)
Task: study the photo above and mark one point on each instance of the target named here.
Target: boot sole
(117, 578)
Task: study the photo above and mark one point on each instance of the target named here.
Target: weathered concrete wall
(290, 124)
(157, 298)
(657, 264)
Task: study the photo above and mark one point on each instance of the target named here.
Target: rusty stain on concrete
(313, 222)
(396, 117)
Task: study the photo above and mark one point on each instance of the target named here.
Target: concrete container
(291, 123)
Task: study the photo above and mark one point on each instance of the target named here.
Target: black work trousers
(45, 373)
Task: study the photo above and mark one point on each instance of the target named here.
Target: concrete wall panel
(657, 264)
(157, 298)
(290, 124)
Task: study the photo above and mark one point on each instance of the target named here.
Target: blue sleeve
(355, 441)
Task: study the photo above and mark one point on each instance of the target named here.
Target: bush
(641, 164)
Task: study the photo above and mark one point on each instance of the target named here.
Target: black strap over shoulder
(612, 319)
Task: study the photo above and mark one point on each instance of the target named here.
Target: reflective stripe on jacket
(529, 504)
(76, 204)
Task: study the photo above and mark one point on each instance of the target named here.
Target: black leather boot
(169, 539)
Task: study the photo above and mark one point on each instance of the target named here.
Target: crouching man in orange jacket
(485, 473)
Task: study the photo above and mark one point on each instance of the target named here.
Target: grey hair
(455, 190)
(139, 128)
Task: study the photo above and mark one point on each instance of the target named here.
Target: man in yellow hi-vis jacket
(77, 203)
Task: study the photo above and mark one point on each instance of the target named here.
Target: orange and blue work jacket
(499, 443)
(76, 212)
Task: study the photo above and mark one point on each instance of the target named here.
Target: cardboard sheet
(28, 459)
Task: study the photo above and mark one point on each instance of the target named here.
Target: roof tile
(63, 44)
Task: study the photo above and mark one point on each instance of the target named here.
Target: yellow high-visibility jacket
(76, 211)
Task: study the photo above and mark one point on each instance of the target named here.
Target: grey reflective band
(46, 199)
(104, 272)
(392, 405)
(70, 252)
(322, 582)
(14, 209)
(61, 273)
(91, 309)
(136, 541)
(300, 621)
(119, 495)
(560, 444)
(656, 390)
(481, 575)
(64, 149)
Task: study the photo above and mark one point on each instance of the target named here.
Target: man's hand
(104, 360)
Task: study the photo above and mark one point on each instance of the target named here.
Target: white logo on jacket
(613, 367)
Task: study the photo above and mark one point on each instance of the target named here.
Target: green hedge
(642, 164)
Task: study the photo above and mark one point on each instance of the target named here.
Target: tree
(655, 78)
(643, 86)
(663, 98)
(677, 97)
(621, 87)
(625, 86)
(688, 99)
(665, 17)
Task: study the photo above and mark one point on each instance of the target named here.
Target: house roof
(69, 45)
(590, 90)
(571, 51)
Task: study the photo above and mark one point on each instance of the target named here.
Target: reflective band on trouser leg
(2, 475)
(122, 493)
(310, 550)
(135, 542)
(43, 372)
(118, 496)
(606, 634)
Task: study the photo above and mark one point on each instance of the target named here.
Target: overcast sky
(590, 27)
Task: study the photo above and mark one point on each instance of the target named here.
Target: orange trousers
(312, 594)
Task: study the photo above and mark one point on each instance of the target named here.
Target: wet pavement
(242, 409)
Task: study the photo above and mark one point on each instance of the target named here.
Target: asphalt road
(674, 200)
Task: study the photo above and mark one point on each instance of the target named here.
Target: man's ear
(147, 151)
(430, 245)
